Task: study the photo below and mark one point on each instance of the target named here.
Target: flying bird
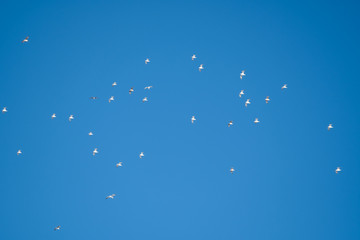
(114, 84)
(57, 228)
(111, 99)
(26, 39)
(131, 90)
(201, 67)
(284, 87)
(93, 98)
(256, 120)
(241, 93)
(145, 99)
(141, 155)
(242, 74)
(110, 196)
(267, 99)
(230, 123)
(53, 116)
(71, 118)
(19, 152)
(193, 119)
(95, 151)
(90, 133)
(232, 170)
(147, 61)
(330, 127)
(247, 102)
(193, 57)
(119, 164)
(148, 87)
(338, 169)
(4, 110)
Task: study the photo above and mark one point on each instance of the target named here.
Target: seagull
(267, 99)
(256, 120)
(241, 93)
(110, 196)
(26, 39)
(119, 164)
(242, 74)
(145, 99)
(114, 84)
(57, 228)
(247, 102)
(131, 90)
(71, 118)
(53, 116)
(232, 170)
(230, 123)
(93, 98)
(19, 152)
(330, 127)
(193, 119)
(193, 57)
(147, 61)
(201, 67)
(338, 169)
(148, 87)
(4, 110)
(283, 87)
(95, 151)
(141, 155)
(111, 98)
(90, 133)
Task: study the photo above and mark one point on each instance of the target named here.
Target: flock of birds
(193, 119)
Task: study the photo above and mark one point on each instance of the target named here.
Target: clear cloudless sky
(284, 187)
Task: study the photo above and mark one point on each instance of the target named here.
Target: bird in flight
(26, 39)
(148, 87)
(111, 99)
(193, 119)
(201, 67)
(267, 99)
(147, 61)
(241, 93)
(19, 152)
(330, 127)
(145, 99)
(57, 228)
(119, 164)
(131, 90)
(193, 57)
(256, 120)
(4, 110)
(114, 84)
(284, 87)
(247, 102)
(242, 74)
(53, 116)
(232, 170)
(93, 98)
(95, 151)
(230, 123)
(71, 118)
(90, 133)
(338, 169)
(141, 155)
(110, 196)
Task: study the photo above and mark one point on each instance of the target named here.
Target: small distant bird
(232, 170)
(71, 118)
(242, 74)
(338, 169)
(148, 87)
(330, 127)
(141, 155)
(193, 57)
(4, 110)
(241, 93)
(267, 99)
(90, 133)
(119, 164)
(95, 151)
(145, 99)
(247, 102)
(256, 120)
(111, 99)
(93, 98)
(193, 119)
(230, 123)
(57, 228)
(53, 116)
(201, 67)
(114, 84)
(26, 39)
(131, 90)
(284, 87)
(19, 152)
(147, 61)
(110, 196)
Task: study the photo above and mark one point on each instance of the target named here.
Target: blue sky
(284, 186)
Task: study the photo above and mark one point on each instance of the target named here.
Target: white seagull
(53, 116)
(145, 99)
(232, 170)
(201, 67)
(193, 57)
(241, 93)
(19, 152)
(26, 39)
(119, 164)
(90, 133)
(71, 118)
(110, 196)
(57, 228)
(193, 119)
(131, 90)
(230, 123)
(95, 151)
(330, 127)
(147, 61)
(111, 99)
(247, 102)
(338, 169)
(256, 120)
(148, 87)
(141, 155)
(283, 87)
(267, 99)
(4, 110)
(242, 74)
(114, 84)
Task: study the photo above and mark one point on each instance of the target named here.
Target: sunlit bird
(230, 123)
(232, 170)
(284, 87)
(26, 39)
(95, 151)
(145, 99)
(330, 127)
(338, 169)
(93, 98)
(242, 74)
(201, 67)
(71, 118)
(267, 99)
(57, 228)
(4, 110)
(114, 84)
(53, 116)
(131, 90)
(247, 102)
(141, 155)
(256, 120)
(241, 93)
(147, 61)
(111, 99)
(90, 133)
(193, 57)
(193, 119)
(19, 152)
(110, 196)
(119, 164)
(148, 87)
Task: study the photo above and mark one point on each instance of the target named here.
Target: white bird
(201, 67)
(147, 61)
(114, 84)
(232, 170)
(283, 87)
(241, 93)
(19, 152)
(131, 90)
(90, 133)
(148, 87)
(145, 99)
(57, 228)
(256, 120)
(95, 151)
(330, 127)
(119, 164)
(26, 39)
(338, 169)
(4, 110)
(230, 123)
(141, 155)
(247, 102)
(111, 99)
(193, 119)
(242, 74)
(193, 57)
(267, 99)
(110, 196)
(53, 116)
(71, 118)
